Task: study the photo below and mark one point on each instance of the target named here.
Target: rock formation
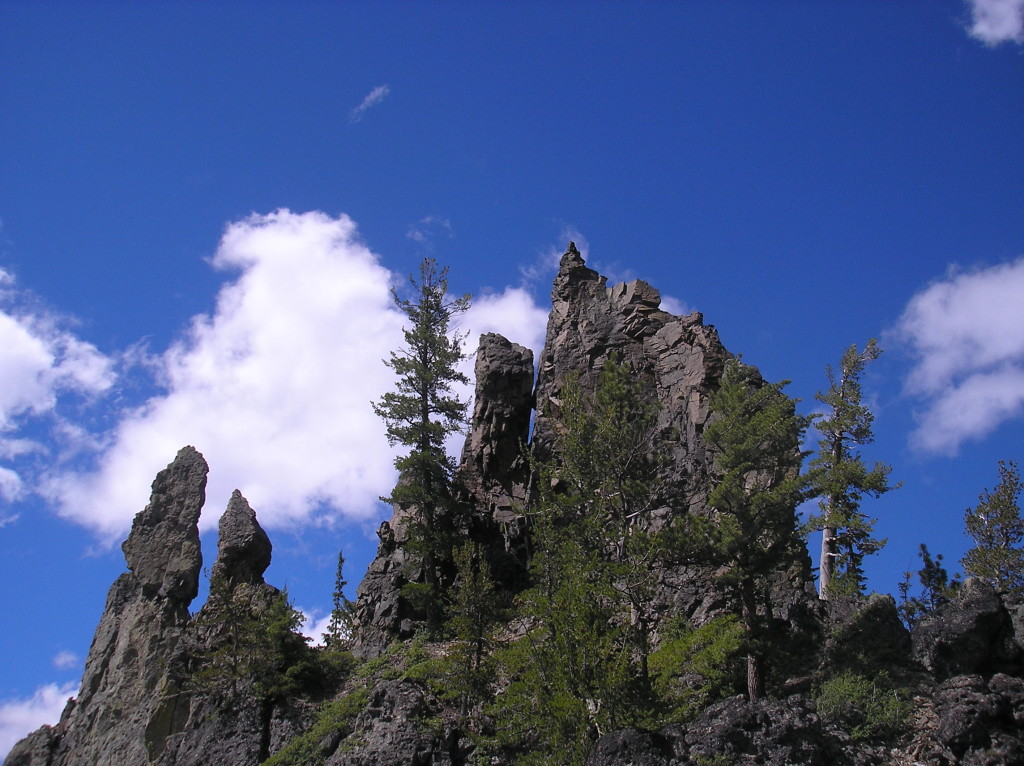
(136, 704)
(144, 699)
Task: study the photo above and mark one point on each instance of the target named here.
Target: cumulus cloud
(997, 21)
(966, 333)
(274, 385)
(20, 717)
(41, 362)
(375, 96)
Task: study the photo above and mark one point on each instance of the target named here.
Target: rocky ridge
(139, 704)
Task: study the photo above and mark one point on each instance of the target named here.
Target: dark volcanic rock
(778, 732)
(866, 635)
(492, 467)
(243, 548)
(972, 634)
(632, 747)
(979, 722)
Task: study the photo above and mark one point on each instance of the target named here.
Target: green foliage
(474, 612)
(419, 414)
(871, 709)
(936, 589)
(583, 669)
(841, 478)
(256, 647)
(997, 529)
(755, 436)
(333, 719)
(695, 667)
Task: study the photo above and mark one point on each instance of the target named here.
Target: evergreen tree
(755, 436)
(842, 478)
(419, 414)
(997, 529)
(474, 612)
(936, 589)
(339, 629)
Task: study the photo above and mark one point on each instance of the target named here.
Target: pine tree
(419, 414)
(842, 478)
(936, 590)
(755, 436)
(997, 529)
(340, 627)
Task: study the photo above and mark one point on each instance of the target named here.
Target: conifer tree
(419, 414)
(936, 589)
(842, 478)
(340, 626)
(755, 436)
(997, 529)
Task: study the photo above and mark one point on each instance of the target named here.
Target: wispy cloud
(22, 716)
(966, 332)
(64, 660)
(375, 96)
(42, 362)
(997, 21)
(429, 227)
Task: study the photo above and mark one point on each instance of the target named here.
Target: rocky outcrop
(974, 633)
(679, 358)
(774, 732)
(493, 477)
(142, 624)
(138, 702)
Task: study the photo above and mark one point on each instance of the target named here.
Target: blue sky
(202, 207)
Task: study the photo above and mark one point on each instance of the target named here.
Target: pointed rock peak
(571, 259)
(243, 548)
(163, 549)
(572, 271)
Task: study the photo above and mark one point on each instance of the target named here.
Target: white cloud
(274, 386)
(966, 332)
(675, 306)
(314, 625)
(20, 717)
(64, 660)
(375, 96)
(997, 21)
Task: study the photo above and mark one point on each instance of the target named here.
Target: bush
(869, 709)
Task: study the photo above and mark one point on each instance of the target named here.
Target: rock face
(494, 480)
(679, 358)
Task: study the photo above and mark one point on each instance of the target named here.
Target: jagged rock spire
(163, 549)
(243, 548)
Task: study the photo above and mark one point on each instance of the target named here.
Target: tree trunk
(828, 559)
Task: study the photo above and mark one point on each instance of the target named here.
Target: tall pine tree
(842, 478)
(419, 414)
(755, 436)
